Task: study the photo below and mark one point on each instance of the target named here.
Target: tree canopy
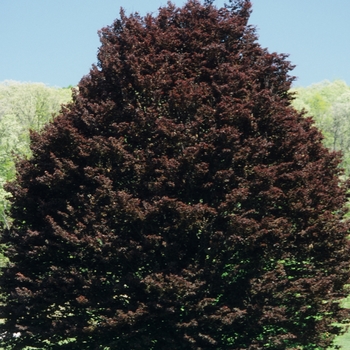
(329, 104)
(179, 202)
(23, 106)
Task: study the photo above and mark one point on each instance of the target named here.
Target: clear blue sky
(56, 42)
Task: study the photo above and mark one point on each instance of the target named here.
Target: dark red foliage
(179, 202)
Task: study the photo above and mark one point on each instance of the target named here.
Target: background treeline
(329, 104)
(23, 106)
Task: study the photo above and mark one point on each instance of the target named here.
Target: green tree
(32, 104)
(23, 106)
(179, 202)
(329, 104)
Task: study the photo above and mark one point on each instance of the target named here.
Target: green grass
(343, 341)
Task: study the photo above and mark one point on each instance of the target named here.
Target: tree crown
(179, 201)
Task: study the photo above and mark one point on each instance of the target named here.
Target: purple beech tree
(179, 202)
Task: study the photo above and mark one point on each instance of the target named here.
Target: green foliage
(329, 104)
(23, 107)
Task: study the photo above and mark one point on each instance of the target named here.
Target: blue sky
(56, 42)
